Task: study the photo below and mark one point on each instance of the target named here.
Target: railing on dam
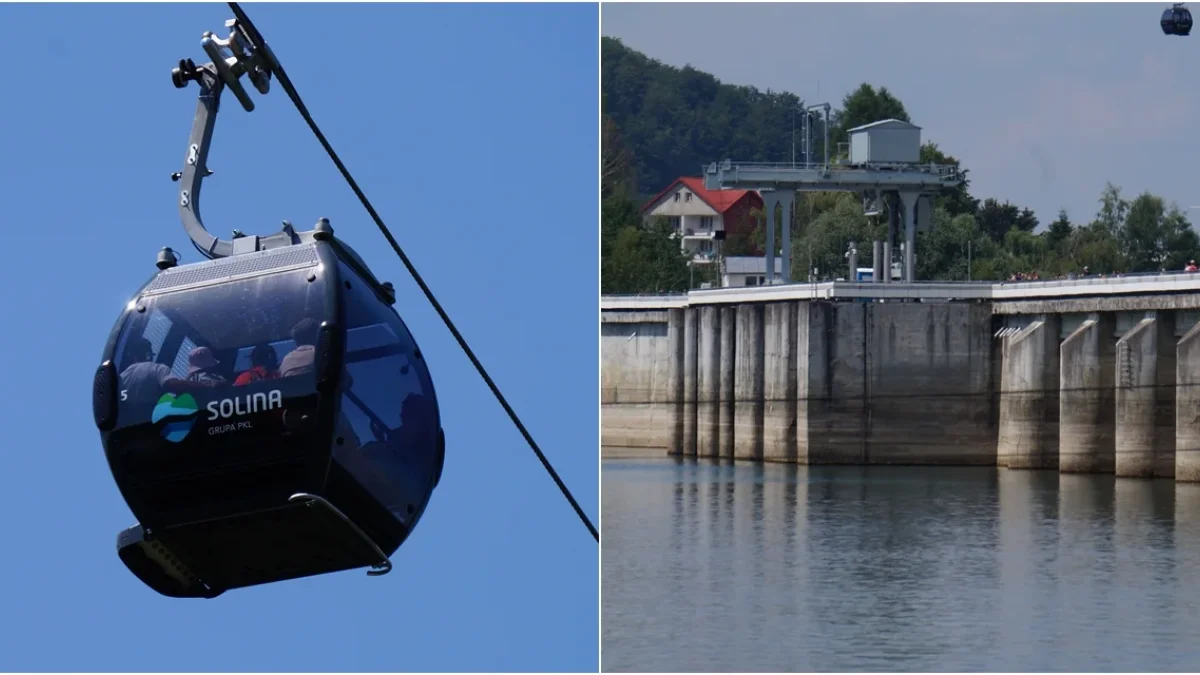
(1154, 283)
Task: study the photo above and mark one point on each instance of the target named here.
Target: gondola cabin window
(389, 414)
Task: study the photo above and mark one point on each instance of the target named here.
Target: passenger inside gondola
(144, 379)
(264, 364)
(299, 361)
(401, 459)
(204, 368)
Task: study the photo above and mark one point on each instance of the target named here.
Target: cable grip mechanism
(232, 57)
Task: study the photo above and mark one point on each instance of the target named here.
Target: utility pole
(793, 137)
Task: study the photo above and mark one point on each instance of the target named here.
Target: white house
(701, 218)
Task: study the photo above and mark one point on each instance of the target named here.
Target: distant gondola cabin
(1176, 20)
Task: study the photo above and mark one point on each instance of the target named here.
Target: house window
(706, 222)
(687, 197)
(706, 246)
(674, 220)
(676, 196)
(751, 281)
(762, 281)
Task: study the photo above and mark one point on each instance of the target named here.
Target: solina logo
(180, 413)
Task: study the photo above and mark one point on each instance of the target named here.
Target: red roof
(720, 200)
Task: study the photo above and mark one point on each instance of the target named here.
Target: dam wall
(641, 379)
(804, 376)
(812, 382)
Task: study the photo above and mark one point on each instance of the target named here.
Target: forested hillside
(661, 122)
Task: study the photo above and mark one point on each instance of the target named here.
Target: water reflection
(715, 566)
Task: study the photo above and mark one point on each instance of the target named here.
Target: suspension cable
(286, 83)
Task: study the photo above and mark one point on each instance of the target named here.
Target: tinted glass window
(228, 335)
(180, 367)
(157, 327)
(389, 420)
(245, 355)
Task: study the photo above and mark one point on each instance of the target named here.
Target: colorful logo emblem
(180, 414)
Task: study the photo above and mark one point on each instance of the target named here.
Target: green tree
(633, 258)
(958, 200)
(943, 251)
(637, 259)
(1113, 209)
(1154, 237)
(1182, 243)
(864, 105)
(616, 164)
(1143, 235)
(996, 219)
(1059, 231)
(826, 239)
(1026, 251)
(1095, 248)
(677, 120)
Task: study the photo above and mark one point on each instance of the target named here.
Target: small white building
(747, 270)
(885, 142)
(868, 273)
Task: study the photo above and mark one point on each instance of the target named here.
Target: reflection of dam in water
(711, 565)
(1093, 375)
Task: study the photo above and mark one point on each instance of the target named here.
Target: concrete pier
(708, 398)
(779, 386)
(690, 380)
(1187, 407)
(830, 386)
(843, 419)
(675, 329)
(1137, 361)
(1166, 325)
(725, 409)
(810, 392)
(748, 383)
(1145, 388)
(1087, 398)
(1028, 433)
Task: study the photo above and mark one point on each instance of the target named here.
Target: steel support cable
(286, 83)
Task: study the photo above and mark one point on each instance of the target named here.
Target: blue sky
(1042, 102)
(473, 131)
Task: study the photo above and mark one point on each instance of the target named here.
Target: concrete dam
(1086, 376)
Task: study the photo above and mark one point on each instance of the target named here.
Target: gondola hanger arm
(233, 58)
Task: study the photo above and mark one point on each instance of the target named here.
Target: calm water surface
(712, 566)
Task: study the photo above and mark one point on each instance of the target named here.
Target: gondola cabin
(266, 416)
(1176, 20)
